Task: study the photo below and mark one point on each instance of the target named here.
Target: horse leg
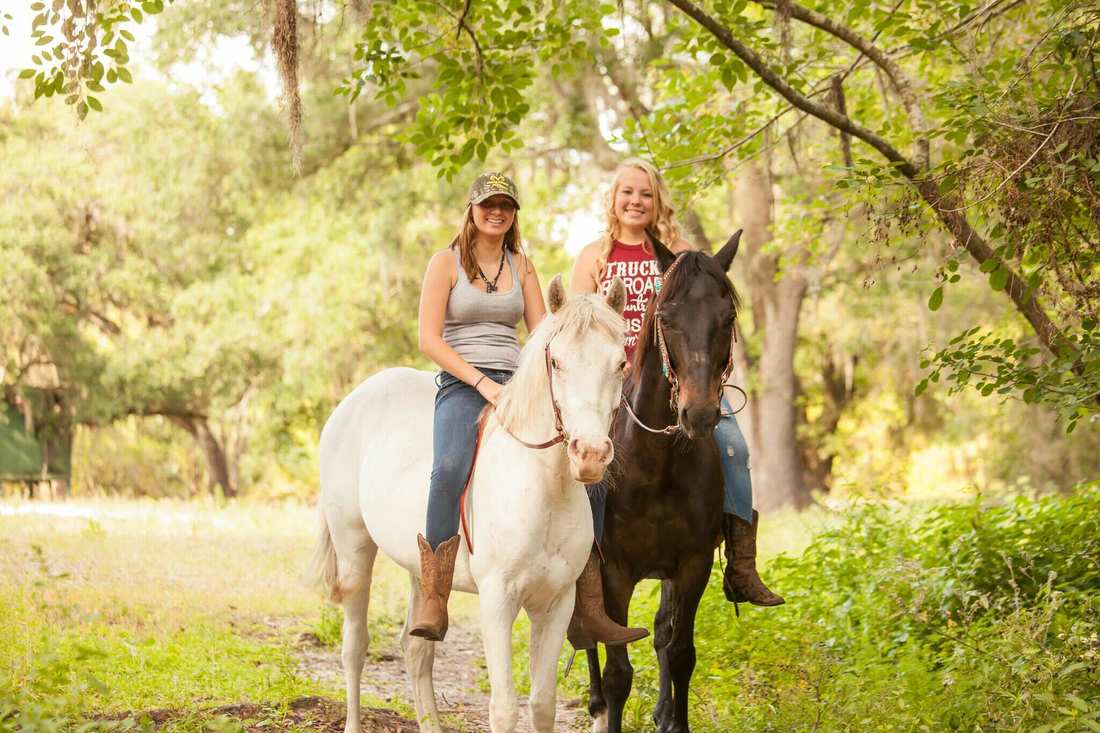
(618, 674)
(597, 705)
(685, 590)
(355, 563)
(419, 656)
(662, 635)
(498, 613)
(547, 636)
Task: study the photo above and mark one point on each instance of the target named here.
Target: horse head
(690, 324)
(571, 372)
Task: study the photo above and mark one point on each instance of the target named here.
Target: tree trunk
(838, 381)
(771, 419)
(217, 466)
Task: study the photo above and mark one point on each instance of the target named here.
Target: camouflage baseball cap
(491, 184)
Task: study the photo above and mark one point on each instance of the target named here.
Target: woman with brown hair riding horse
(639, 211)
(474, 293)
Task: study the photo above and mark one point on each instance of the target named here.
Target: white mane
(526, 396)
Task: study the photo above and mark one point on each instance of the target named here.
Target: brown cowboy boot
(741, 582)
(590, 623)
(437, 570)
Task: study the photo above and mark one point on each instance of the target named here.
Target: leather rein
(670, 374)
(559, 426)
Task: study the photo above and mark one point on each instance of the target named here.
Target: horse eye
(554, 363)
(622, 365)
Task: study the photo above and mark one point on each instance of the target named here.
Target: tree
(923, 98)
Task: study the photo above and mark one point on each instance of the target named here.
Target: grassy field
(119, 607)
(194, 616)
(115, 608)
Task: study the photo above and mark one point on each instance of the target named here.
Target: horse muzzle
(589, 458)
(699, 420)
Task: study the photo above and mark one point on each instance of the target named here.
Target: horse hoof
(599, 722)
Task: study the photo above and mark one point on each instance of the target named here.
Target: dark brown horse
(664, 513)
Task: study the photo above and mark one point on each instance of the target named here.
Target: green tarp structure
(21, 453)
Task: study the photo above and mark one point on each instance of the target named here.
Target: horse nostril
(574, 446)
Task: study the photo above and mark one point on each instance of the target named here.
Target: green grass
(959, 617)
(124, 607)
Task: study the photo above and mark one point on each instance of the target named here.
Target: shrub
(964, 617)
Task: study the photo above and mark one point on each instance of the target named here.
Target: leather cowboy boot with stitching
(741, 582)
(437, 570)
(590, 624)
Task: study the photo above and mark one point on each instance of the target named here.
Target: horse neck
(550, 465)
(536, 426)
(653, 392)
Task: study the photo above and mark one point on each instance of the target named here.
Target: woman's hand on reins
(490, 390)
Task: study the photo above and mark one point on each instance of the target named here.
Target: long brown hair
(467, 236)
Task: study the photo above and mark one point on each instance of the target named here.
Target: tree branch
(462, 20)
(897, 77)
(943, 205)
(792, 95)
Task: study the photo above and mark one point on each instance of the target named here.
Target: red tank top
(638, 270)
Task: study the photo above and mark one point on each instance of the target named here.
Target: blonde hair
(467, 236)
(664, 225)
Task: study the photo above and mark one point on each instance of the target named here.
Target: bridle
(559, 427)
(670, 374)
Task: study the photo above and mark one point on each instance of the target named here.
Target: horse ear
(616, 295)
(556, 294)
(729, 251)
(665, 256)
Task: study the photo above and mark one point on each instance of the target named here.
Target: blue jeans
(454, 435)
(734, 454)
(737, 483)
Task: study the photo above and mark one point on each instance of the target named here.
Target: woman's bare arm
(585, 277)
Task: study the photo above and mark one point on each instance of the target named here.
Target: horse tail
(324, 567)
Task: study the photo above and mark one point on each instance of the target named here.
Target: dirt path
(459, 675)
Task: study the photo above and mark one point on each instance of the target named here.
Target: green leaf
(27, 73)
(94, 104)
(1077, 702)
(998, 279)
(936, 300)
(990, 265)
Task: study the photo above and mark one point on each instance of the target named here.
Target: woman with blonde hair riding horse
(639, 210)
(474, 293)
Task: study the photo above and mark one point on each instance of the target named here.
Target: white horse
(530, 521)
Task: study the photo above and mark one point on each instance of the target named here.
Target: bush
(969, 618)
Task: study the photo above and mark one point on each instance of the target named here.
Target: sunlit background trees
(191, 281)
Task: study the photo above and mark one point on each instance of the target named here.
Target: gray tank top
(481, 327)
